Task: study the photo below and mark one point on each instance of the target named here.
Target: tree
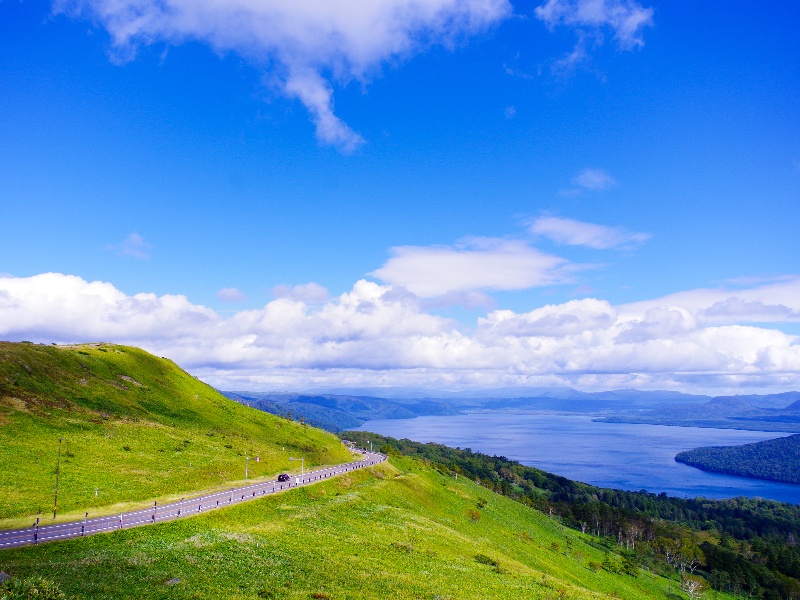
(693, 586)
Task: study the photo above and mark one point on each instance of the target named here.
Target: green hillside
(399, 530)
(135, 428)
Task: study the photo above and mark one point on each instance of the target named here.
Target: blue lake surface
(615, 455)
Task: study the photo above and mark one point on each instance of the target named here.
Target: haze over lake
(615, 455)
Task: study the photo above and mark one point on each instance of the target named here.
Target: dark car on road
(283, 477)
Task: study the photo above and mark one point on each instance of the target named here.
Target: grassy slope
(396, 531)
(136, 427)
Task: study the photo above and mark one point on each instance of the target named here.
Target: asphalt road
(37, 534)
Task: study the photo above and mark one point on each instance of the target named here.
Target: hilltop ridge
(134, 426)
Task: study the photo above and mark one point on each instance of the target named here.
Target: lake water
(615, 455)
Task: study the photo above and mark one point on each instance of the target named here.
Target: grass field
(397, 530)
(135, 428)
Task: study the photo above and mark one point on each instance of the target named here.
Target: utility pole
(302, 464)
(58, 472)
(246, 460)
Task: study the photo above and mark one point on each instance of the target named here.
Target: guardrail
(37, 533)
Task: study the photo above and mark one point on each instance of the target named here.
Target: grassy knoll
(397, 530)
(135, 427)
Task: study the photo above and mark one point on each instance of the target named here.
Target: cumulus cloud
(579, 233)
(475, 264)
(133, 246)
(572, 318)
(302, 45)
(66, 308)
(231, 295)
(380, 335)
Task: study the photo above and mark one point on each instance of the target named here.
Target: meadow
(135, 428)
(398, 530)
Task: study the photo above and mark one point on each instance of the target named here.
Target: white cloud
(595, 180)
(306, 292)
(133, 246)
(475, 264)
(579, 233)
(577, 57)
(317, 96)
(625, 18)
(66, 308)
(303, 45)
(572, 318)
(231, 295)
(590, 180)
(774, 302)
(510, 112)
(591, 19)
(377, 335)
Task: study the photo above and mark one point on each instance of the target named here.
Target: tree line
(745, 546)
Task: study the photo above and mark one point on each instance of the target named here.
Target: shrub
(486, 560)
(30, 587)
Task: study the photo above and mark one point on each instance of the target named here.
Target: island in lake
(773, 460)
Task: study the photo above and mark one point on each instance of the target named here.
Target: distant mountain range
(339, 412)
(335, 412)
(772, 412)
(562, 393)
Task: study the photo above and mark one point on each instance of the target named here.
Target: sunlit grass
(135, 428)
(394, 531)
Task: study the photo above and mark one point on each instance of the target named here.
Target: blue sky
(597, 193)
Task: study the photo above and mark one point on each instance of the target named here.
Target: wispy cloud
(625, 18)
(591, 19)
(590, 180)
(594, 180)
(578, 57)
(231, 294)
(304, 45)
(474, 264)
(133, 246)
(579, 233)
(305, 292)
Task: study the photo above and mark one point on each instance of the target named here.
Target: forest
(773, 460)
(744, 546)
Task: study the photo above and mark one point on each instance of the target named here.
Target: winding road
(38, 533)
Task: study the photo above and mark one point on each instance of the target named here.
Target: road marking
(167, 512)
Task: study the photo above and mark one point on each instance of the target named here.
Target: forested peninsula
(773, 460)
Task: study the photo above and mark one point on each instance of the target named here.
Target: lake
(615, 455)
